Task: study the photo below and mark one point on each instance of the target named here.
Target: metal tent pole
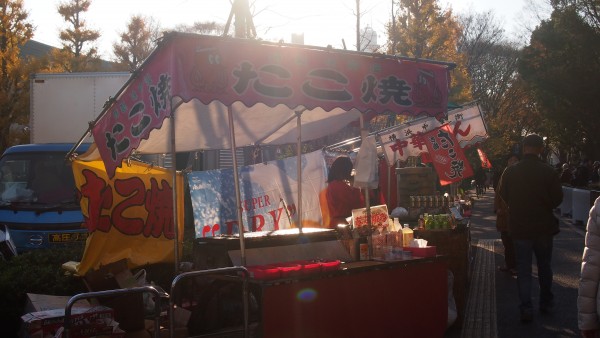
(174, 180)
(363, 136)
(299, 167)
(236, 182)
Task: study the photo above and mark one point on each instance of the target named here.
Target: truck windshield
(36, 178)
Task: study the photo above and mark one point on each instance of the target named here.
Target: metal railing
(110, 293)
(219, 271)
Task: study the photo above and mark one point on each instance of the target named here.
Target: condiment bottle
(407, 235)
(421, 224)
(391, 226)
(363, 245)
(397, 224)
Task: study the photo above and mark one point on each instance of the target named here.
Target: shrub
(38, 271)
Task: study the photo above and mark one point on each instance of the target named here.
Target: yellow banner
(130, 216)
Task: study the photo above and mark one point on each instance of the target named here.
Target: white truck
(38, 204)
(63, 104)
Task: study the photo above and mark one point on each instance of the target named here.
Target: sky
(323, 22)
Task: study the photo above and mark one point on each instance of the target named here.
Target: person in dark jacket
(501, 210)
(566, 175)
(595, 175)
(480, 181)
(582, 173)
(531, 190)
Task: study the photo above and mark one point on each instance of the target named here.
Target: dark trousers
(510, 260)
(542, 249)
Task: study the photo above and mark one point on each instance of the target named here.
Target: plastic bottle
(363, 251)
(407, 235)
(391, 226)
(397, 224)
(421, 224)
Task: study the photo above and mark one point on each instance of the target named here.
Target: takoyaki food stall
(199, 92)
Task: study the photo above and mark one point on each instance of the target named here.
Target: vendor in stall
(340, 196)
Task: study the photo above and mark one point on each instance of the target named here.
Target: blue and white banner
(269, 196)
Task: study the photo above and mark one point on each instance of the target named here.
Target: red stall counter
(361, 299)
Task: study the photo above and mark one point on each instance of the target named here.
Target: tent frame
(167, 36)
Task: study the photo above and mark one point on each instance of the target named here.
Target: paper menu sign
(379, 216)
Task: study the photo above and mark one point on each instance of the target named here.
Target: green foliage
(561, 68)
(38, 271)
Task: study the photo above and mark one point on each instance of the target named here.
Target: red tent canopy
(199, 79)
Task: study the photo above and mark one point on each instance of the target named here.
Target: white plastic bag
(365, 166)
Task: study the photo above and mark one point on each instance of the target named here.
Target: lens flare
(306, 295)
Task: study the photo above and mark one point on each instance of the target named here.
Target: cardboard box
(428, 251)
(110, 331)
(129, 308)
(38, 302)
(379, 216)
(93, 330)
(84, 322)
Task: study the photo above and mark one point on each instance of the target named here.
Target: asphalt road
(492, 306)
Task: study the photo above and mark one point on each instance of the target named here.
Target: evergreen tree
(561, 67)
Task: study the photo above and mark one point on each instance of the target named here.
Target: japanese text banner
(268, 196)
(468, 125)
(405, 140)
(215, 73)
(130, 216)
(447, 156)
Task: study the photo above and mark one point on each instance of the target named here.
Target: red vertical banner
(446, 155)
(485, 162)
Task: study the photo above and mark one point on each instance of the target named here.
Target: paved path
(492, 305)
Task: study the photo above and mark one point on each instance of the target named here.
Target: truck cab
(39, 207)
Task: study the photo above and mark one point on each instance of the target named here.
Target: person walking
(480, 181)
(501, 210)
(595, 174)
(532, 189)
(589, 281)
(566, 176)
(582, 174)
